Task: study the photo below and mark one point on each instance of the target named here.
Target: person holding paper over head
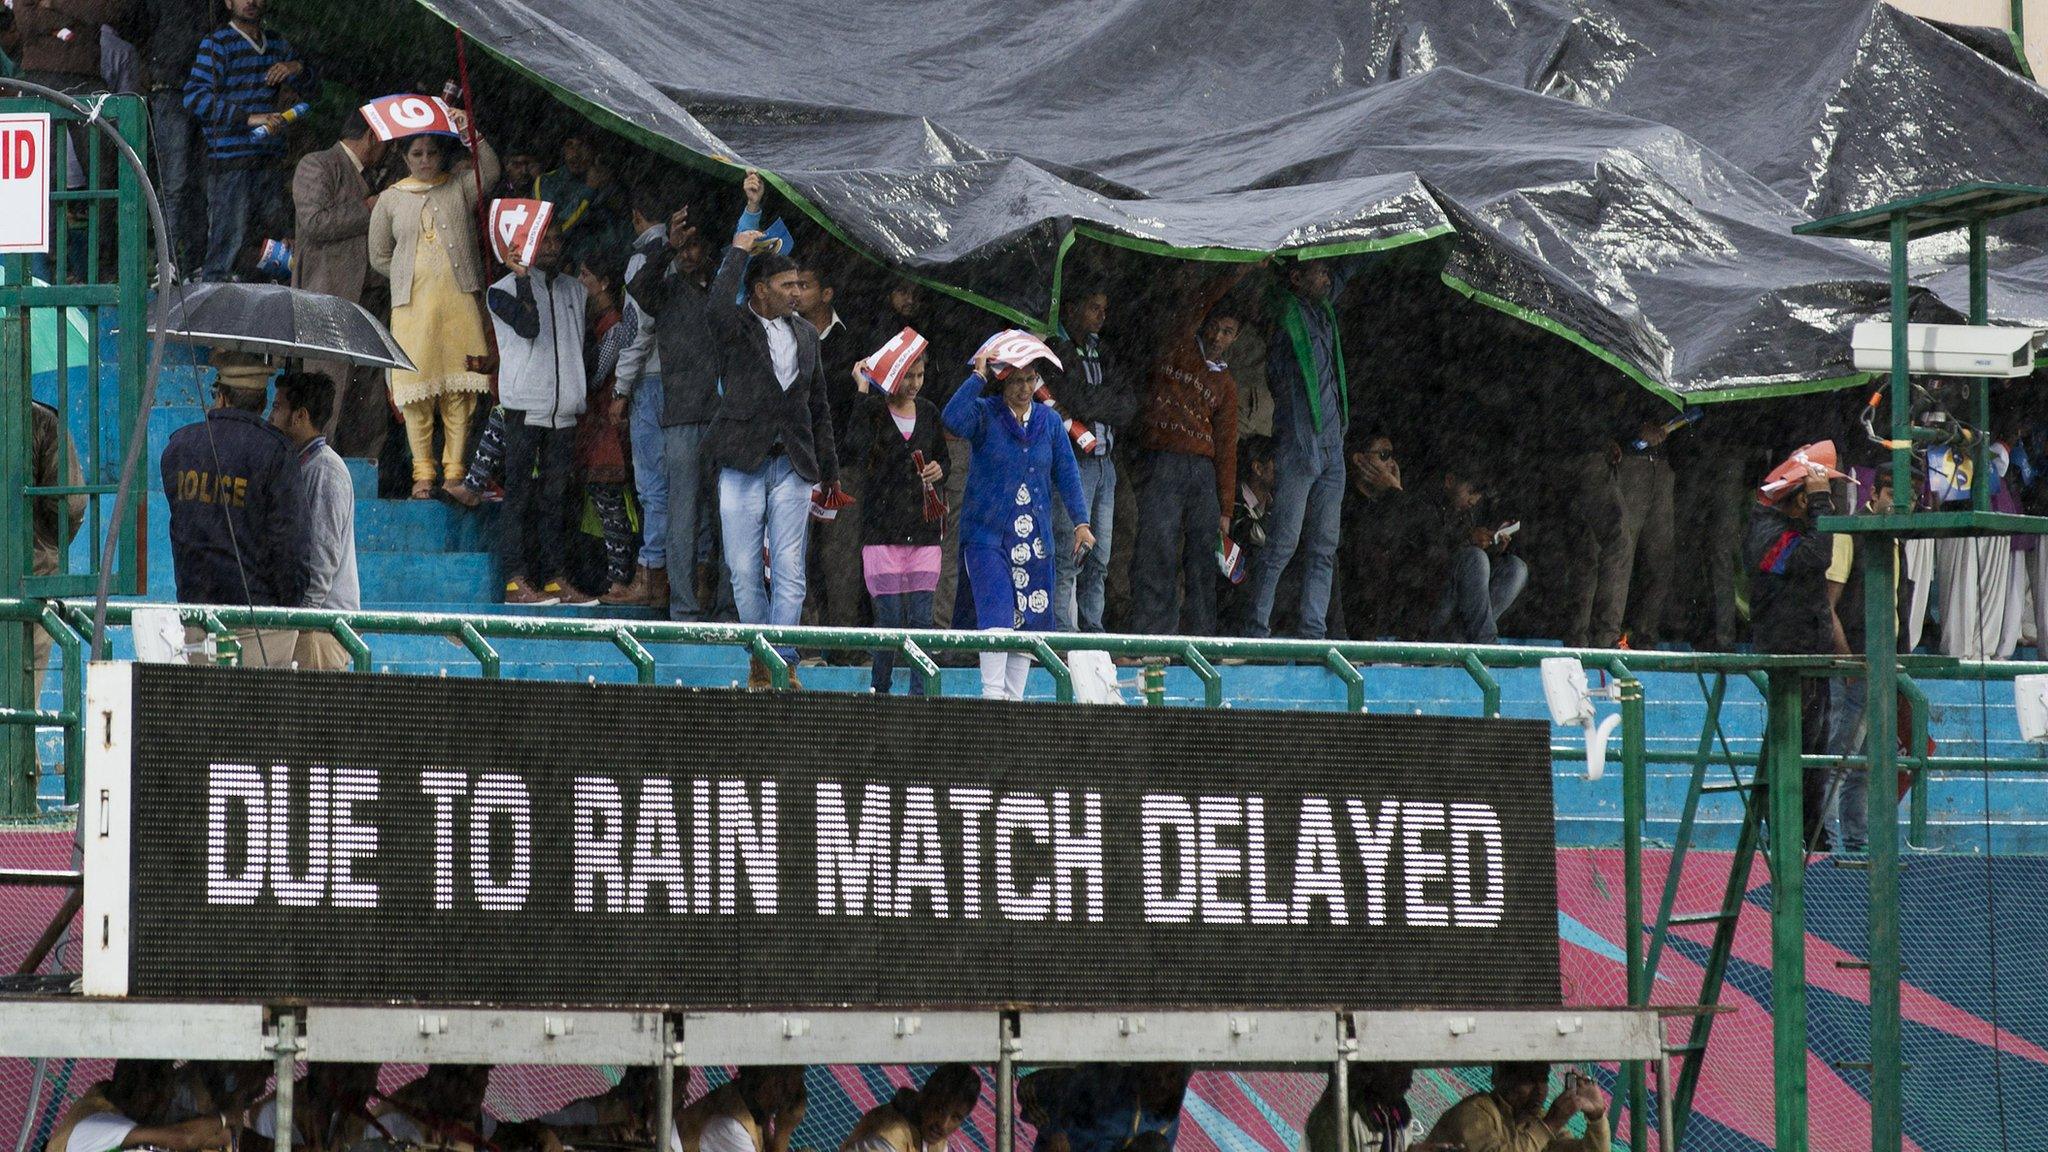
(423, 238)
(1022, 456)
(896, 448)
(537, 314)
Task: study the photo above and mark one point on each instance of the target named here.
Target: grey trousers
(1635, 572)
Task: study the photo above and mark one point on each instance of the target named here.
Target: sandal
(423, 489)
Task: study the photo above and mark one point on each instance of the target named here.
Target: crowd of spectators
(1085, 1108)
(674, 421)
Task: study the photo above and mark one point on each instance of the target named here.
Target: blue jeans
(682, 461)
(1077, 586)
(904, 610)
(1847, 734)
(239, 201)
(769, 507)
(1479, 587)
(1178, 514)
(650, 475)
(1308, 505)
(174, 141)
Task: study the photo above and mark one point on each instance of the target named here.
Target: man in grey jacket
(327, 512)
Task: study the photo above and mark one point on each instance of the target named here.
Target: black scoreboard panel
(342, 837)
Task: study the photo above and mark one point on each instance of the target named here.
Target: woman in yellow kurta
(423, 238)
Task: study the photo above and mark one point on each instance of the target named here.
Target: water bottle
(275, 260)
(290, 114)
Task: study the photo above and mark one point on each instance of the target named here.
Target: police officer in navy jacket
(232, 483)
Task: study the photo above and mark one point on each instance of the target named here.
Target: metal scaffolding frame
(1775, 770)
(1968, 207)
(119, 1028)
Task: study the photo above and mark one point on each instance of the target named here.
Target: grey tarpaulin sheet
(1625, 173)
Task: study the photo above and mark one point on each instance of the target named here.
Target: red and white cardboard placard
(394, 117)
(886, 367)
(516, 227)
(25, 182)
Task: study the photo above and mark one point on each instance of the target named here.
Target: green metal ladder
(1690, 1057)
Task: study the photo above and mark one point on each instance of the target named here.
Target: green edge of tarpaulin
(1674, 398)
(2019, 49)
(1227, 255)
(672, 149)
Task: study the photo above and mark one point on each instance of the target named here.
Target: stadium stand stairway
(429, 556)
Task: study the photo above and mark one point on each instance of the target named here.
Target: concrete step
(423, 526)
(467, 578)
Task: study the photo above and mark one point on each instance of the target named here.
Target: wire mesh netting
(1974, 929)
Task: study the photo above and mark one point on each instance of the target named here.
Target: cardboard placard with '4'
(516, 228)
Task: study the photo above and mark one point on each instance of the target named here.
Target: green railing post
(1212, 680)
(643, 661)
(487, 662)
(66, 640)
(778, 668)
(1354, 684)
(1881, 718)
(352, 643)
(1980, 389)
(132, 349)
(1788, 908)
(18, 760)
(1062, 676)
(1152, 683)
(1916, 754)
(1489, 688)
(1634, 813)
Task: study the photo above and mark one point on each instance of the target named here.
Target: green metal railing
(1777, 761)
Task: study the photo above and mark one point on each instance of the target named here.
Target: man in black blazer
(772, 438)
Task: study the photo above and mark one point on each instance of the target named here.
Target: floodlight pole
(1902, 384)
(1788, 906)
(1878, 555)
(1880, 711)
(1980, 389)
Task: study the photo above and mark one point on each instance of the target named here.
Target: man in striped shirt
(242, 79)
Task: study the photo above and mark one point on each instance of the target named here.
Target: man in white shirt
(772, 438)
(127, 1110)
(758, 1111)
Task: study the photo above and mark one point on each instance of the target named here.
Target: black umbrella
(274, 320)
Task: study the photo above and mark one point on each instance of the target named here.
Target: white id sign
(25, 182)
